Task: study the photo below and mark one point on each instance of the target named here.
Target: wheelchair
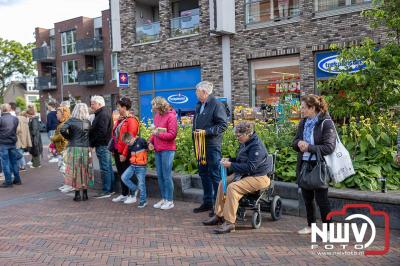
(261, 201)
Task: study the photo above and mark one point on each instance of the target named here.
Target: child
(137, 155)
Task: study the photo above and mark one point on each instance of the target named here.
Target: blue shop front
(177, 86)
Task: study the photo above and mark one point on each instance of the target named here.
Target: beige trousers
(227, 207)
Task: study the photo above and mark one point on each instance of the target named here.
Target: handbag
(315, 177)
(111, 145)
(339, 162)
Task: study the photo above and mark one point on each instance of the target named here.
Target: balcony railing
(44, 53)
(91, 77)
(45, 83)
(185, 25)
(89, 46)
(265, 11)
(148, 32)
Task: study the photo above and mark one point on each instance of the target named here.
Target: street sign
(123, 80)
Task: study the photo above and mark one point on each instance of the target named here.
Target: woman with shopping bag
(312, 142)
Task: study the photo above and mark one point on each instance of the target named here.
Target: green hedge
(372, 145)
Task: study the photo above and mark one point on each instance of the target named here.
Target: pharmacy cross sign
(123, 80)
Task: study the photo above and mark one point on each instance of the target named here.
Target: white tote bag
(339, 161)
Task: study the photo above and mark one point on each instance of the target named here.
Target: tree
(20, 102)
(376, 88)
(15, 58)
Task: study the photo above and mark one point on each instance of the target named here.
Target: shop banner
(328, 65)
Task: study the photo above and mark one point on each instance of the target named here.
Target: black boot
(77, 195)
(84, 195)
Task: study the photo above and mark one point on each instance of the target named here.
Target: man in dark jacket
(99, 136)
(8, 152)
(250, 167)
(52, 120)
(210, 117)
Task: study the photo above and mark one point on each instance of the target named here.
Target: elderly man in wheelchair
(249, 168)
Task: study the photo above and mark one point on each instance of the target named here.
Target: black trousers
(121, 167)
(321, 197)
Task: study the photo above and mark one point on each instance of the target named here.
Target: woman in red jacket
(125, 123)
(163, 142)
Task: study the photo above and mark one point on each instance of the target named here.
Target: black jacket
(34, 130)
(76, 132)
(213, 120)
(251, 158)
(8, 129)
(101, 129)
(52, 121)
(325, 140)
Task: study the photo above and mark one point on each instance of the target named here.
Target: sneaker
(142, 204)
(53, 160)
(35, 166)
(159, 204)
(119, 198)
(22, 169)
(29, 163)
(67, 189)
(167, 205)
(104, 195)
(17, 183)
(130, 200)
(63, 187)
(305, 231)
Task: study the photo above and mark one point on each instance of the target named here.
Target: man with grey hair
(210, 119)
(99, 137)
(8, 151)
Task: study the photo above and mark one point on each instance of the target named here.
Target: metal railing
(148, 32)
(185, 25)
(263, 11)
(89, 46)
(91, 77)
(46, 83)
(44, 53)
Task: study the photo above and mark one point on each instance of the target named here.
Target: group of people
(76, 137)
(19, 133)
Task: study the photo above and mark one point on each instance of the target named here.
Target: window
(271, 10)
(324, 5)
(32, 99)
(70, 71)
(276, 83)
(68, 42)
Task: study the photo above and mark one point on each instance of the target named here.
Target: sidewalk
(41, 226)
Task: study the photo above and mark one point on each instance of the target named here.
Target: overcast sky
(19, 18)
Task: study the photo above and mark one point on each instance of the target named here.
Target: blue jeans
(140, 173)
(210, 174)
(9, 157)
(106, 170)
(164, 162)
(21, 162)
(50, 134)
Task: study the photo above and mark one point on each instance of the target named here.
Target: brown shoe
(215, 220)
(226, 227)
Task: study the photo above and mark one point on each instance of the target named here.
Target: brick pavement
(40, 226)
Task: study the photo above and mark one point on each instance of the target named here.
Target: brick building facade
(266, 37)
(75, 59)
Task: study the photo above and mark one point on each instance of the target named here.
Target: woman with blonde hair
(63, 114)
(23, 138)
(79, 168)
(34, 128)
(162, 141)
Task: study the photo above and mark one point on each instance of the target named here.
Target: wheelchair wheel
(276, 208)
(256, 220)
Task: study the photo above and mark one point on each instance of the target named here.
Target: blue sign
(328, 65)
(180, 99)
(123, 80)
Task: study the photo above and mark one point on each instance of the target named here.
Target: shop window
(271, 10)
(325, 5)
(276, 85)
